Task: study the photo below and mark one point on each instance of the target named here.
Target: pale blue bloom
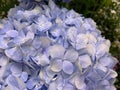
(43, 24)
(44, 47)
(42, 0)
(15, 83)
(24, 76)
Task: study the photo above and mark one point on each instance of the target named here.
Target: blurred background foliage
(106, 14)
(5, 5)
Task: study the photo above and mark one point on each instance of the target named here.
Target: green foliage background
(106, 14)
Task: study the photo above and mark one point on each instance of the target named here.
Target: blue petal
(68, 67)
(3, 42)
(56, 66)
(12, 33)
(16, 69)
(45, 42)
(30, 84)
(15, 83)
(42, 60)
(85, 61)
(14, 53)
(68, 87)
(12, 82)
(43, 24)
(24, 76)
(71, 55)
(56, 51)
(52, 86)
(4, 60)
(72, 33)
(102, 49)
(81, 41)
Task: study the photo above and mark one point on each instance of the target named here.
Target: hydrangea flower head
(44, 47)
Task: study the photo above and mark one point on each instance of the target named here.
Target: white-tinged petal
(52, 86)
(101, 50)
(86, 26)
(91, 38)
(91, 49)
(12, 33)
(44, 77)
(72, 14)
(68, 67)
(41, 74)
(30, 35)
(58, 20)
(108, 43)
(12, 82)
(85, 61)
(4, 60)
(91, 22)
(43, 23)
(56, 32)
(56, 65)
(21, 84)
(56, 51)
(45, 42)
(102, 71)
(113, 74)
(52, 5)
(71, 55)
(49, 72)
(14, 53)
(81, 41)
(18, 25)
(15, 83)
(79, 83)
(42, 60)
(72, 33)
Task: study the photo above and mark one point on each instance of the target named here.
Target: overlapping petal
(56, 51)
(14, 53)
(68, 67)
(44, 47)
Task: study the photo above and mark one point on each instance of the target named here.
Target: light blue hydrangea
(44, 47)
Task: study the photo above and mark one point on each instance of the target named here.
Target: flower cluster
(42, 0)
(50, 48)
